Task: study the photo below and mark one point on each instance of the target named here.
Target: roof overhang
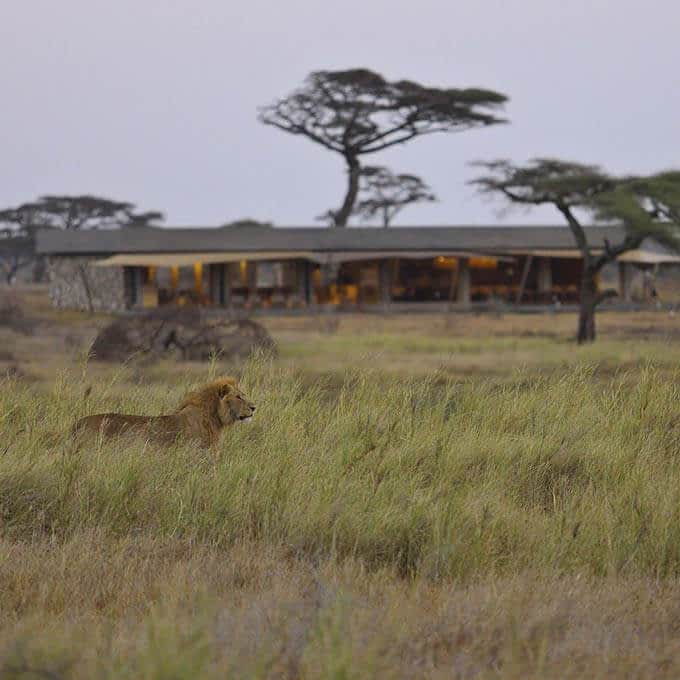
(188, 259)
(337, 257)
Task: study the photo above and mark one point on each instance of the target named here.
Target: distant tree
(357, 112)
(145, 219)
(246, 222)
(91, 212)
(642, 205)
(383, 194)
(18, 226)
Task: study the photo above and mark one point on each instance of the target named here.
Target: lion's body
(202, 416)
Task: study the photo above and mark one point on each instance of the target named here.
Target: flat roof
(253, 239)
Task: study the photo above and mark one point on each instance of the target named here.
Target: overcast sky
(155, 101)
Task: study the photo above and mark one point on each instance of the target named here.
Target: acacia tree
(384, 194)
(91, 212)
(574, 189)
(357, 112)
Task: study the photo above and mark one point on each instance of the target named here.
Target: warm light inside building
(174, 277)
(442, 262)
(483, 262)
(243, 269)
(198, 277)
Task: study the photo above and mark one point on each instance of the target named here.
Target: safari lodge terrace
(267, 268)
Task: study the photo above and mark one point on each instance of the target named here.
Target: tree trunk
(353, 172)
(588, 302)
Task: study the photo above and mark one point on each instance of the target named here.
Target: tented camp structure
(259, 267)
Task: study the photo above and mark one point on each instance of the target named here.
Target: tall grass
(556, 473)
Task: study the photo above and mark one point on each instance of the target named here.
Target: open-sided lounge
(258, 267)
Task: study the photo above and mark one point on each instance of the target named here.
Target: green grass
(435, 478)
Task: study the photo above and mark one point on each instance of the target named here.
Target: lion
(202, 415)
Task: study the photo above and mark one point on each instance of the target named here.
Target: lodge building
(260, 268)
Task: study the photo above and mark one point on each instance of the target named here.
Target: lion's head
(224, 398)
(235, 406)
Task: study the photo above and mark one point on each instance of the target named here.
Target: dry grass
(427, 497)
(142, 608)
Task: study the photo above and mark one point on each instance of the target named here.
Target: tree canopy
(75, 212)
(19, 224)
(246, 222)
(357, 112)
(383, 194)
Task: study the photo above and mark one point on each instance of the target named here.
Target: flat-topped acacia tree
(91, 212)
(358, 112)
(645, 206)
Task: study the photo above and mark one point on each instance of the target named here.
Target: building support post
(225, 284)
(304, 282)
(218, 283)
(463, 282)
(523, 280)
(133, 286)
(385, 283)
(625, 281)
(213, 284)
(544, 283)
(251, 277)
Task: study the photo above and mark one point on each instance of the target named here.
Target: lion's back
(161, 429)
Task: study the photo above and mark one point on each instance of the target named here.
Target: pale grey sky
(154, 101)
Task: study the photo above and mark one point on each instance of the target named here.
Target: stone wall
(71, 277)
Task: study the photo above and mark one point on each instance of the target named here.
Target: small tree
(145, 219)
(383, 194)
(573, 189)
(357, 112)
(246, 222)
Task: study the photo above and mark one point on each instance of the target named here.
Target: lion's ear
(225, 391)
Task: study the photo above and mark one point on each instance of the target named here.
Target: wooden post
(304, 281)
(544, 283)
(251, 269)
(218, 284)
(525, 276)
(453, 285)
(213, 284)
(384, 282)
(463, 283)
(227, 274)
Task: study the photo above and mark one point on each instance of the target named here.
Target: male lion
(202, 415)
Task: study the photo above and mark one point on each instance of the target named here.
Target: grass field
(418, 497)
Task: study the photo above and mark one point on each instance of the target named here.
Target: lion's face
(235, 406)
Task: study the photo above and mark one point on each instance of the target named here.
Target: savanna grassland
(417, 497)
